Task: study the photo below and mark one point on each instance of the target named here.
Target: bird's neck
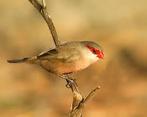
(89, 56)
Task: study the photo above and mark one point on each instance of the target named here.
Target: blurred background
(120, 26)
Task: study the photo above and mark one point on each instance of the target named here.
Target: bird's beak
(101, 55)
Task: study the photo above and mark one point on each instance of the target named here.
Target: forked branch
(78, 100)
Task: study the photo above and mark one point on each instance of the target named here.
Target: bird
(68, 58)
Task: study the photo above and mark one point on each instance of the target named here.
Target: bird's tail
(23, 60)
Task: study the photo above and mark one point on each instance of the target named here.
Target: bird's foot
(70, 82)
(69, 79)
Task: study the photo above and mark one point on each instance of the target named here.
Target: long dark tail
(22, 60)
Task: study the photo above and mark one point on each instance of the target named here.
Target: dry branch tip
(91, 93)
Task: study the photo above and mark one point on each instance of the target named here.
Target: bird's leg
(70, 75)
(71, 83)
(69, 79)
(68, 83)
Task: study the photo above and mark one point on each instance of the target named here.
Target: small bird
(68, 58)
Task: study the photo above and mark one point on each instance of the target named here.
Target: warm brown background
(120, 26)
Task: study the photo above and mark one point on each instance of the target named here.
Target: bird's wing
(62, 54)
(50, 53)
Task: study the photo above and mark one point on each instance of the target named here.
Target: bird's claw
(67, 85)
(69, 80)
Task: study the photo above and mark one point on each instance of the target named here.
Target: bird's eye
(94, 51)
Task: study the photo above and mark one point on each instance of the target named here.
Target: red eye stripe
(93, 50)
(90, 48)
(99, 53)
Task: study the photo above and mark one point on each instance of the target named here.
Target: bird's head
(94, 48)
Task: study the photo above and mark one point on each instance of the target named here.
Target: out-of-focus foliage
(120, 26)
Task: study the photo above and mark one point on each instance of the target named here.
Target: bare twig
(91, 94)
(78, 99)
(41, 7)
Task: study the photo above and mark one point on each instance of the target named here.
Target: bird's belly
(61, 67)
(71, 67)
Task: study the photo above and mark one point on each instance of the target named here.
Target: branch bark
(78, 100)
(41, 7)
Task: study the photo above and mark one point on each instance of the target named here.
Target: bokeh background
(120, 26)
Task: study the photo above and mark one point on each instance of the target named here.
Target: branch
(76, 109)
(41, 7)
(78, 100)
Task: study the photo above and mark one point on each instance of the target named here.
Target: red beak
(101, 55)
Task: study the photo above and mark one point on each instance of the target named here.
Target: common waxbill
(68, 58)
